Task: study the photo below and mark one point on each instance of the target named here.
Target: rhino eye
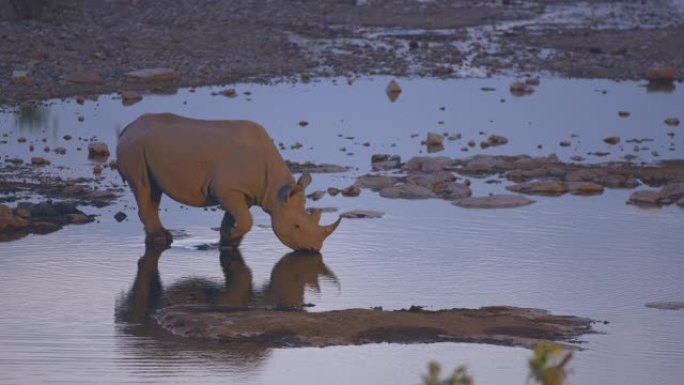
(296, 226)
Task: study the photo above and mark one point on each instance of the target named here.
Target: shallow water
(588, 256)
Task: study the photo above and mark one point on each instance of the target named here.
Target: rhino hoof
(159, 240)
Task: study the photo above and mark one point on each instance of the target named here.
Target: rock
(230, 92)
(624, 114)
(98, 150)
(39, 161)
(533, 81)
(671, 305)
(407, 191)
(11, 222)
(428, 164)
(21, 139)
(85, 78)
(351, 191)
(565, 143)
(452, 191)
(585, 188)
(539, 188)
(376, 182)
(362, 214)
(482, 164)
(393, 90)
(672, 121)
(316, 195)
(120, 216)
(521, 88)
(385, 161)
(130, 97)
(323, 168)
(303, 123)
(332, 191)
(433, 139)
(153, 75)
(21, 78)
(44, 227)
(646, 198)
(5, 210)
(661, 74)
(97, 169)
(673, 191)
(612, 140)
(74, 190)
(60, 150)
(496, 140)
(22, 213)
(78, 219)
(430, 180)
(494, 201)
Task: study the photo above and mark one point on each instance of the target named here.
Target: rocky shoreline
(93, 47)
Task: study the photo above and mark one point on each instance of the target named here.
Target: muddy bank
(93, 46)
(500, 325)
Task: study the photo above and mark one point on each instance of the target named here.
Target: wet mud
(93, 47)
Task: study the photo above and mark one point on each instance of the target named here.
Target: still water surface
(589, 256)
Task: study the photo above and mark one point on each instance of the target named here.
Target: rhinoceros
(200, 163)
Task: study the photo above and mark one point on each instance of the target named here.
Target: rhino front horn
(327, 230)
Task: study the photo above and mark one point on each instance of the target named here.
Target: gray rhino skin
(232, 163)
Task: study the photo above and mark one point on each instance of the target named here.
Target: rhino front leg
(237, 220)
(148, 198)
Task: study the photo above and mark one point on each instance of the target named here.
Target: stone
(393, 90)
(646, 198)
(672, 121)
(549, 187)
(624, 114)
(44, 227)
(78, 218)
(376, 182)
(153, 75)
(12, 223)
(130, 97)
(407, 191)
(565, 143)
(351, 191)
(332, 191)
(521, 88)
(97, 169)
(73, 190)
(428, 164)
(60, 150)
(355, 214)
(661, 74)
(482, 164)
(496, 140)
(316, 195)
(452, 191)
(20, 77)
(433, 139)
(120, 216)
(385, 162)
(39, 161)
(585, 188)
(612, 140)
(673, 191)
(230, 92)
(670, 305)
(98, 150)
(5, 210)
(85, 78)
(495, 201)
(430, 180)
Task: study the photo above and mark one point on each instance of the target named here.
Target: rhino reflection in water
(232, 163)
(290, 277)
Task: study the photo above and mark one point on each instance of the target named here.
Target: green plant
(547, 367)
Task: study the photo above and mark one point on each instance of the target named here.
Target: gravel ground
(220, 42)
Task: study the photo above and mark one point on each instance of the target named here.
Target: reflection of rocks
(356, 214)
(495, 325)
(495, 201)
(297, 168)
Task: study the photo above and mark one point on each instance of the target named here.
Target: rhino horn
(327, 230)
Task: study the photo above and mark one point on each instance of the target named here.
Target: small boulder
(521, 88)
(351, 191)
(60, 150)
(332, 191)
(495, 140)
(130, 97)
(153, 75)
(672, 121)
(661, 74)
(428, 164)
(549, 187)
(612, 140)
(452, 191)
(316, 195)
(393, 90)
(120, 216)
(39, 161)
(78, 218)
(433, 139)
(407, 191)
(646, 198)
(85, 78)
(673, 191)
(376, 182)
(356, 214)
(385, 161)
(98, 150)
(495, 201)
(585, 188)
(44, 227)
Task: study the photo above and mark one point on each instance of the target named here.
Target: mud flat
(501, 325)
(90, 47)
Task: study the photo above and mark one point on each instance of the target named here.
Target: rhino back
(187, 158)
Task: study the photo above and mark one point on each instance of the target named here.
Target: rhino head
(292, 224)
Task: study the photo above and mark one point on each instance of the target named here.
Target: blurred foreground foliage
(547, 367)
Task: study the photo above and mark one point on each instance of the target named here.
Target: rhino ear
(304, 180)
(284, 193)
